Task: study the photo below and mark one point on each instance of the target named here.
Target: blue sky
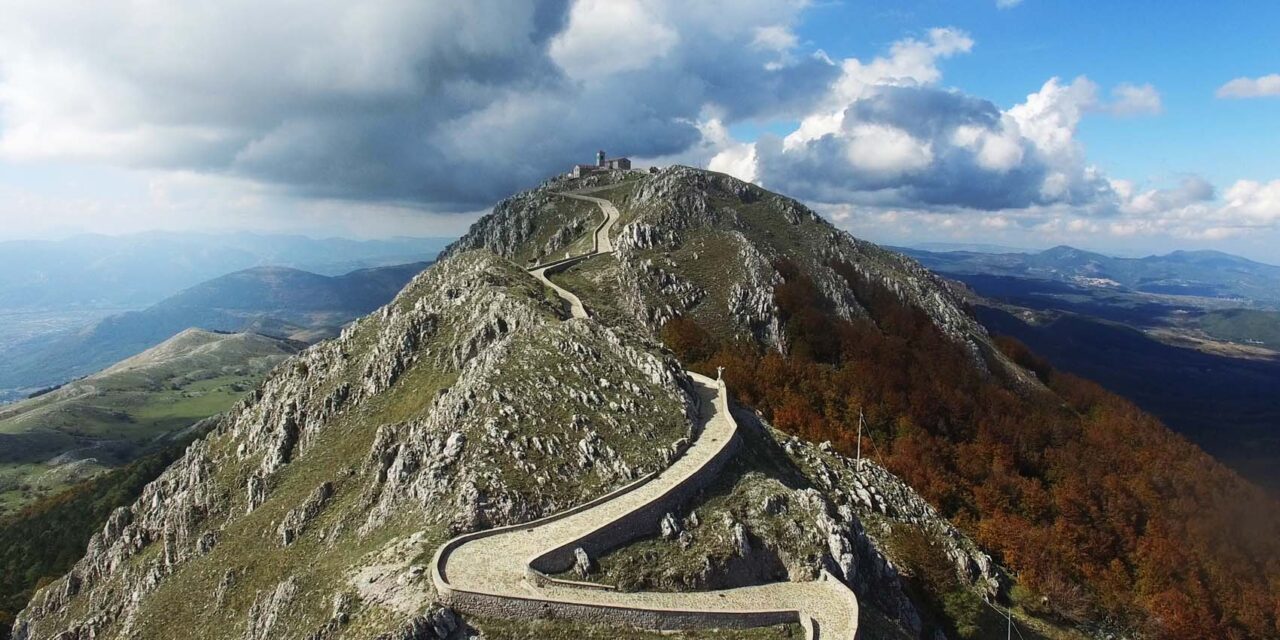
(932, 121)
(1186, 49)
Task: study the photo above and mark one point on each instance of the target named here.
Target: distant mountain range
(1209, 274)
(133, 271)
(276, 301)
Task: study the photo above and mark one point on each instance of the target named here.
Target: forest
(1102, 513)
(45, 539)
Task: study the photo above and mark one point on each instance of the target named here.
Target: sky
(1131, 128)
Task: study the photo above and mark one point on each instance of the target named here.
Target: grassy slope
(116, 415)
(1243, 325)
(325, 560)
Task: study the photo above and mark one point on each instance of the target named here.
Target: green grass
(1248, 326)
(132, 420)
(250, 544)
(595, 282)
(118, 415)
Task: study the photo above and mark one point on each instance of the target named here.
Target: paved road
(497, 564)
(603, 244)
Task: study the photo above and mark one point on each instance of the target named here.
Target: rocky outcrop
(502, 394)
(268, 610)
(872, 493)
(710, 246)
(437, 623)
(299, 517)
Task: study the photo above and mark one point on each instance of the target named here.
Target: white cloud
(775, 37)
(445, 106)
(1050, 116)
(1191, 190)
(998, 150)
(726, 154)
(885, 150)
(911, 62)
(1252, 202)
(1133, 100)
(1268, 85)
(608, 36)
(898, 140)
(1007, 4)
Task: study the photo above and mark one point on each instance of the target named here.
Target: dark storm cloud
(445, 105)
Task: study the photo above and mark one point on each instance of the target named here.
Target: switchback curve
(503, 571)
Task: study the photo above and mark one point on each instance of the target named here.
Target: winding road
(503, 572)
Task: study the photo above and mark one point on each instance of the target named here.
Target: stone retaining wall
(639, 522)
(507, 606)
(643, 521)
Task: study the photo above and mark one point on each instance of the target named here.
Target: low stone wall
(440, 577)
(637, 523)
(556, 266)
(503, 606)
(641, 522)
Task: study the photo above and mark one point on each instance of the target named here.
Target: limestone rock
(582, 563)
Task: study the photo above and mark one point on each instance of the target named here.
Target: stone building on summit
(602, 164)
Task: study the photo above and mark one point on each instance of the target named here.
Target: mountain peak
(702, 244)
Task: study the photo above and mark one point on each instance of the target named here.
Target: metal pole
(859, 439)
(1008, 631)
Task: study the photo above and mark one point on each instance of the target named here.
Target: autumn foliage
(1095, 505)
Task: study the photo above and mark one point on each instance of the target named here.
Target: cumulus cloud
(1253, 202)
(886, 134)
(1190, 191)
(608, 36)
(447, 106)
(1268, 85)
(1133, 100)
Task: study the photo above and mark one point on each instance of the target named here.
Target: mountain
(134, 271)
(365, 482)
(1207, 274)
(975, 247)
(275, 301)
(72, 455)
(111, 417)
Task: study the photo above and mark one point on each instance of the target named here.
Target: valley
(1204, 366)
(105, 420)
(276, 301)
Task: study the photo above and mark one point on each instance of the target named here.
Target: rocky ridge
(710, 246)
(358, 446)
